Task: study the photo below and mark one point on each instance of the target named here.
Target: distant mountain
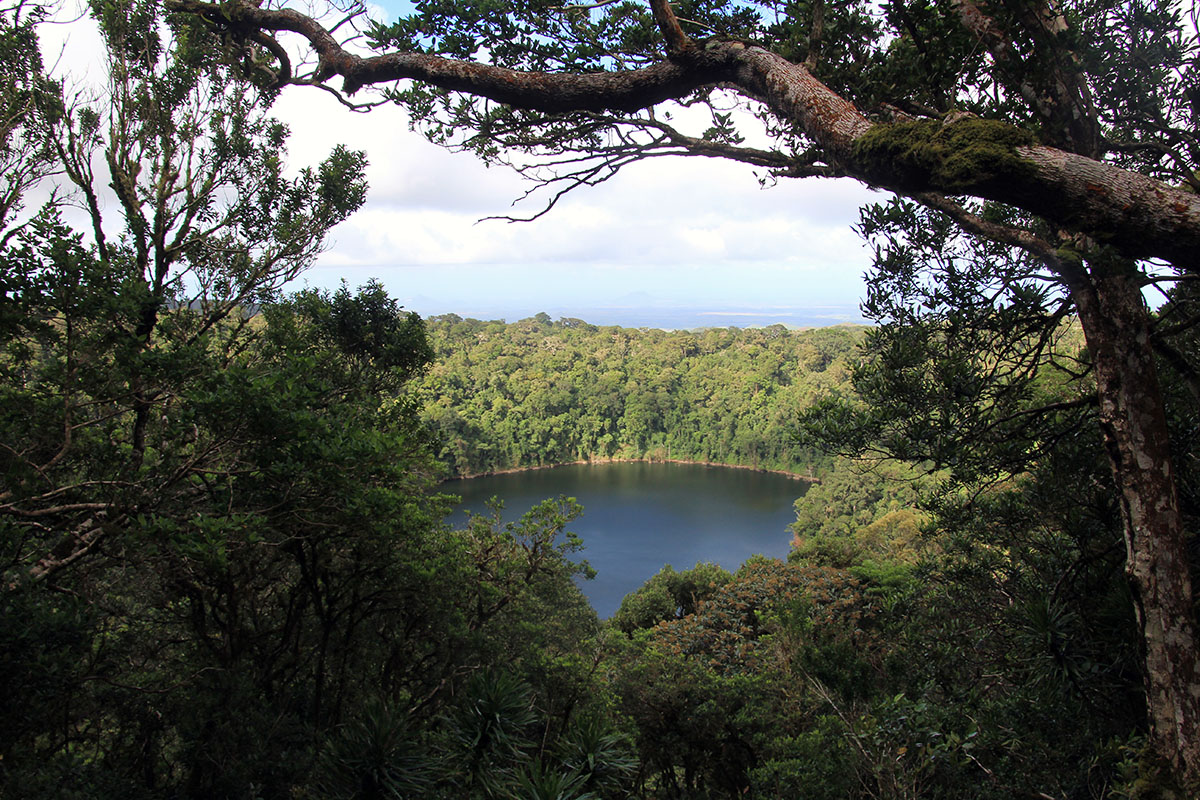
(641, 310)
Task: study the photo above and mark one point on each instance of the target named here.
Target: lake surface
(639, 516)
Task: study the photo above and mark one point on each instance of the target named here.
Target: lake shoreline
(795, 476)
(641, 516)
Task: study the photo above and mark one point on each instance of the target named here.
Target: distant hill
(639, 310)
(544, 391)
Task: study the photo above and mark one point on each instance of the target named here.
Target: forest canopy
(538, 392)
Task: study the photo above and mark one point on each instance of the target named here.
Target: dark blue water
(638, 517)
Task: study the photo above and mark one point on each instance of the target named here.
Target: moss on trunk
(952, 156)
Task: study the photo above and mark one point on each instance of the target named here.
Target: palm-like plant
(599, 755)
(541, 781)
(488, 731)
(376, 757)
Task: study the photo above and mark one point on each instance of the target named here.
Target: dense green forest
(545, 392)
(225, 570)
(1039, 162)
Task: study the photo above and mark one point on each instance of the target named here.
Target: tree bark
(1116, 325)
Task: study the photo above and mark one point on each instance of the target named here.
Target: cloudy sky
(680, 241)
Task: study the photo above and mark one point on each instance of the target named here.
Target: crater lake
(640, 516)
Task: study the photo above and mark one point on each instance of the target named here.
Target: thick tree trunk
(1116, 325)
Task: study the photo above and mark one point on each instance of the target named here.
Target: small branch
(1179, 364)
(1006, 234)
(699, 24)
(567, 165)
(811, 171)
(590, 7)
(45, 512)
(677, 41)
(1183, 165)
(707, 147)
(341, 98)
(73, 547)
(1176, 328)
(815, 34)
(1087, 401)
(284, 75)
(356, 11)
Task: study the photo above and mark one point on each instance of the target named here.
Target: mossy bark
(953, 157)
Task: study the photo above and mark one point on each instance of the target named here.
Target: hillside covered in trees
(538, 391)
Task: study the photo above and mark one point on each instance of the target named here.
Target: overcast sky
(664, 234)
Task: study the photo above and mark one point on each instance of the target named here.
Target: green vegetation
(541, 392)
(224, 571)
(224, 566)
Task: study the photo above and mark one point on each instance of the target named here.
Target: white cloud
(675, 227)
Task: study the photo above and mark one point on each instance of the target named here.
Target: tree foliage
(225, 569)
(540, 392)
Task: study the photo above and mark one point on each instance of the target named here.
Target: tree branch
(1179, 363)
(815, 35)
(70, 549)
(678, 42)
(1063, 99)
(1139, 216)
(597, 91)
(1007, 234)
